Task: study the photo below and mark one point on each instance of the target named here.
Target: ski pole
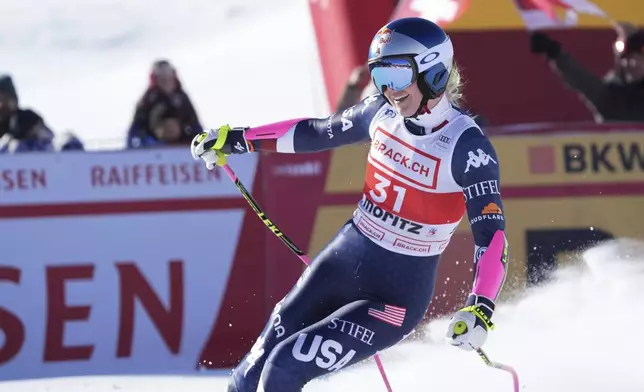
(496, 365)
(272, 227)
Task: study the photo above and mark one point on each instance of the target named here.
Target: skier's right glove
(541, 43)
(213, 145)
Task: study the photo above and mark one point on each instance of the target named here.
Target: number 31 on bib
(383, 189)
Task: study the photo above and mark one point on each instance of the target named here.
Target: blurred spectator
(21, 130)
(164, 114)
(68, 141)
(619, 95)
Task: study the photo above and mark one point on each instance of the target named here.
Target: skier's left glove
(213, 145)
(469, 326)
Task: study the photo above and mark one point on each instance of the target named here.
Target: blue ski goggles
(394, 73)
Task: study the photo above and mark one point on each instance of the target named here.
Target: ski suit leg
(348, 336)
(321, 290)
(357, 299)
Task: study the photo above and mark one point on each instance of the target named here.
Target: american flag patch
(392, 315)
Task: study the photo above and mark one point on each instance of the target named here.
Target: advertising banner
(121, 262)
(124, 293)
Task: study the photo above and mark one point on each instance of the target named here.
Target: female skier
(373, 282)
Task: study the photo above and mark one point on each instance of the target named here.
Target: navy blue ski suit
(357, 298)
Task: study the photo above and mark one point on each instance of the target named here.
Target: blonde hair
(454, 86)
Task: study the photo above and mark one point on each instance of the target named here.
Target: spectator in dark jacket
(69, 141)
(619, 95)
(21, 130)
(164, 115)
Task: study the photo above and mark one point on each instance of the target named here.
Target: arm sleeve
(318, 134)
(475, 167)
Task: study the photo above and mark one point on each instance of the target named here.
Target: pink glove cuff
(490, 268)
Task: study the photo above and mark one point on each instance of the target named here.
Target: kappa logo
(239, 147)
(476, 161)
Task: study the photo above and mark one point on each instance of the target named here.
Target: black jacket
(155, 106)
(609, 98)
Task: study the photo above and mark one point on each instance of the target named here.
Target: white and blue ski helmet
(411, 49)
